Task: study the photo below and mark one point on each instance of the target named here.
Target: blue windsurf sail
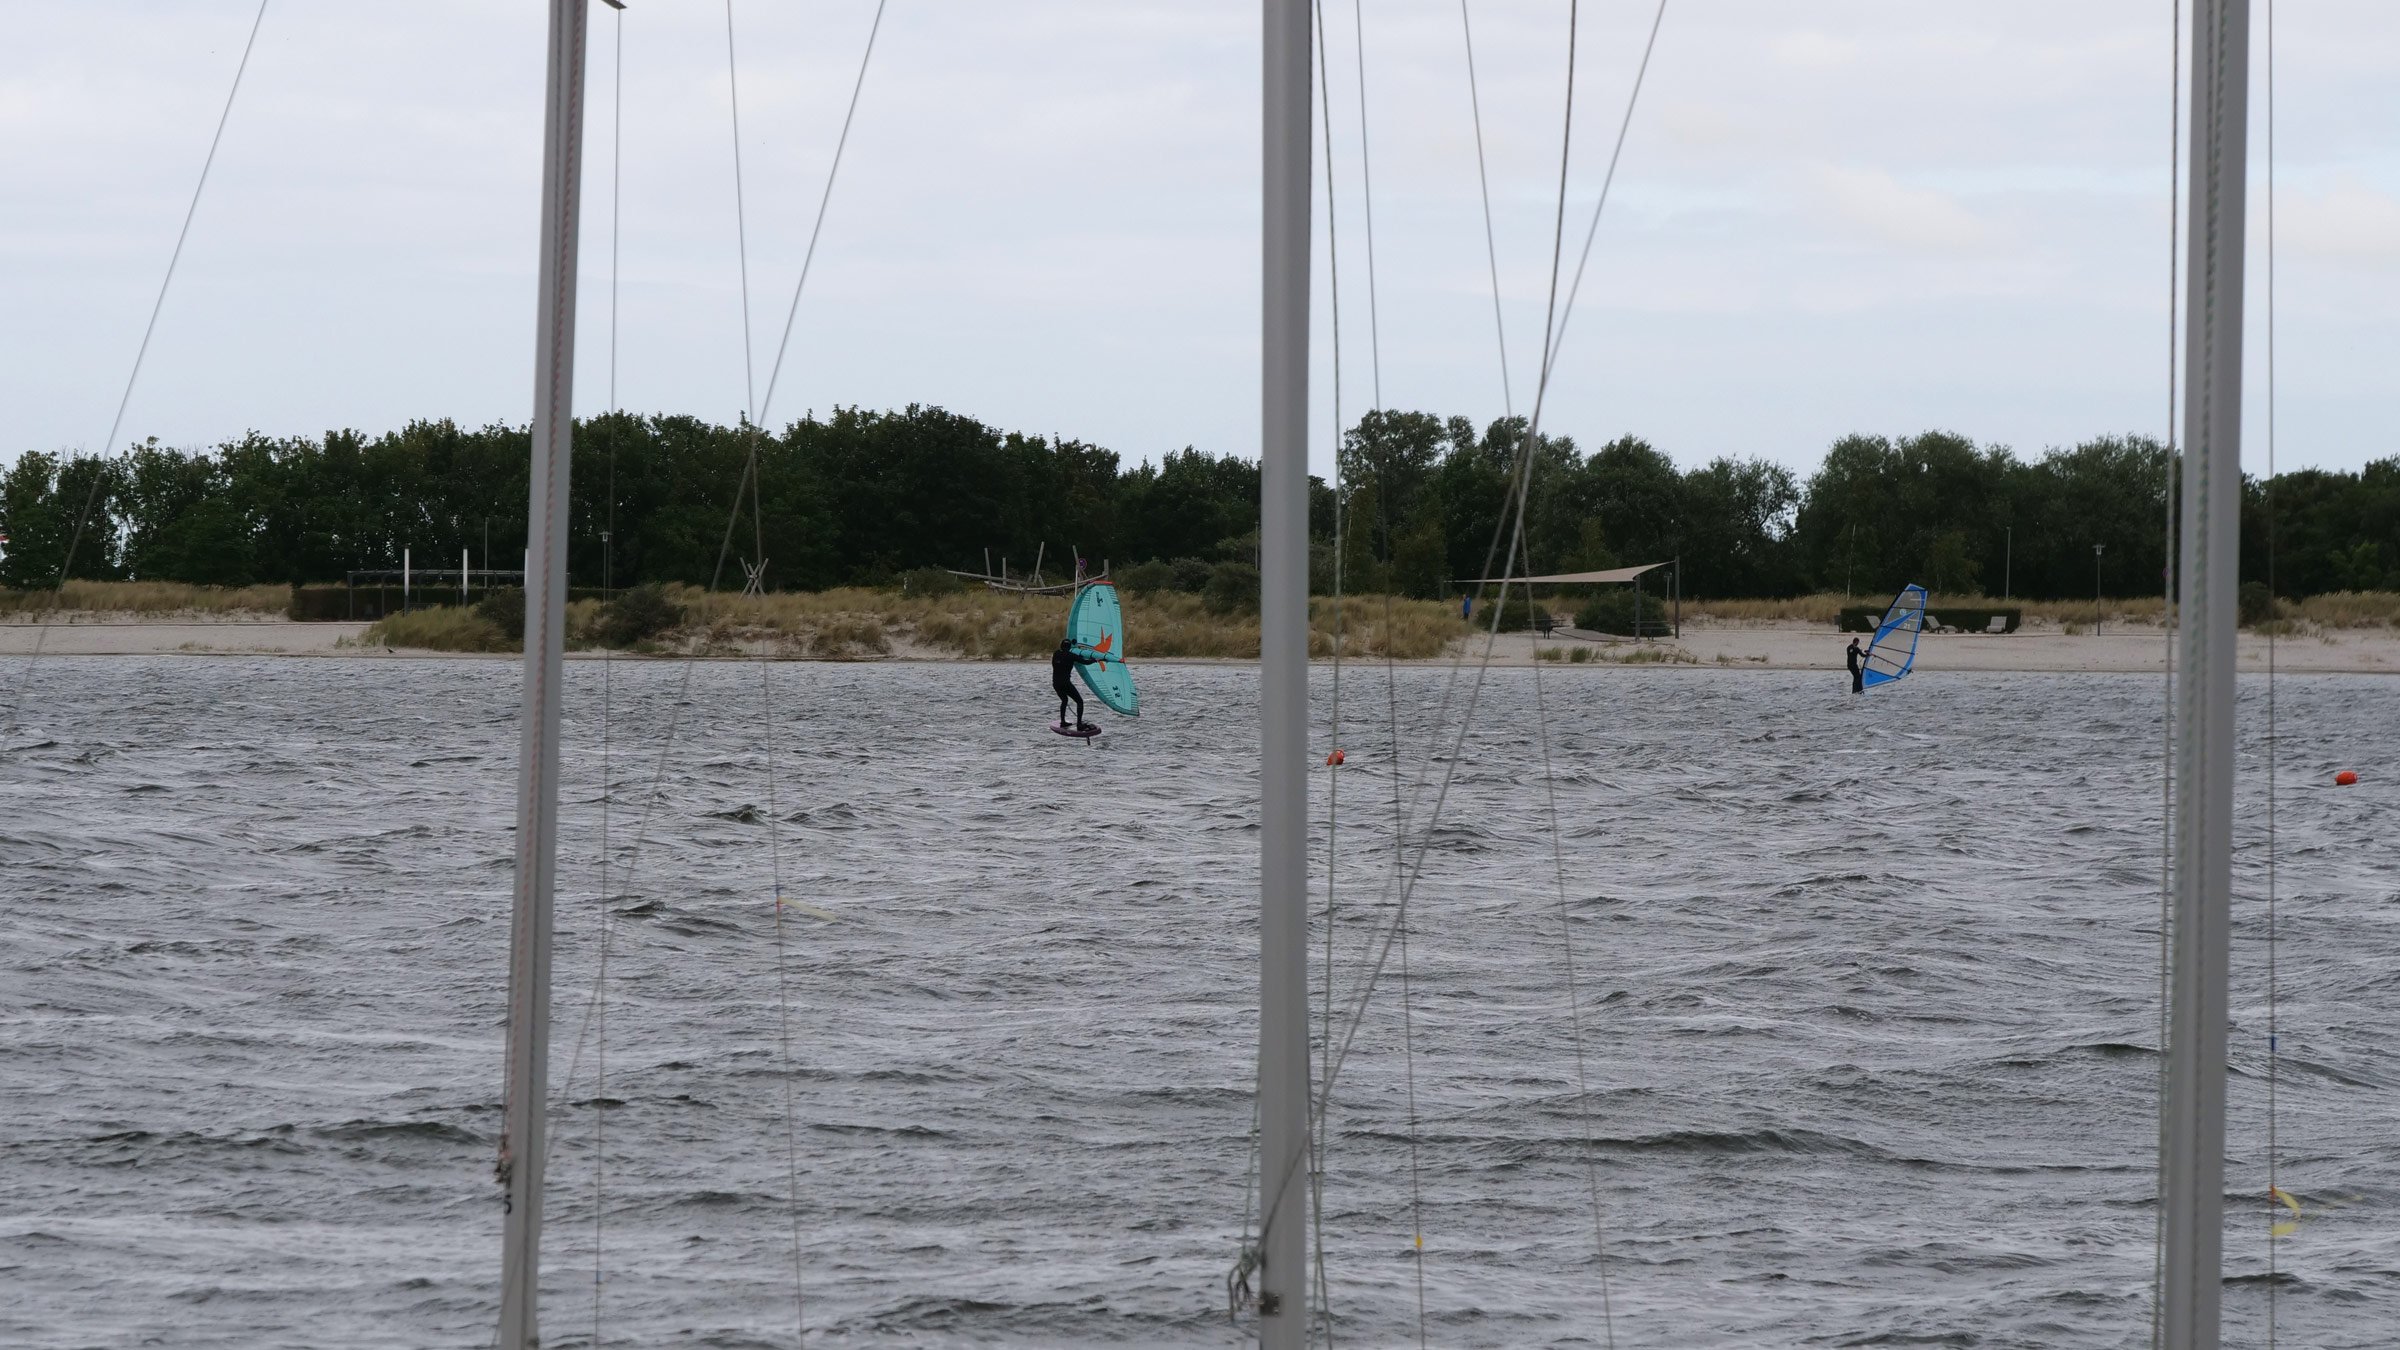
(1096, 624)
(1894, 649)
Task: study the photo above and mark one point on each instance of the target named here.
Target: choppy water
(1869, 1001)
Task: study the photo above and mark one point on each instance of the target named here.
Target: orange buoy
(1334, 759)
(2345, 778)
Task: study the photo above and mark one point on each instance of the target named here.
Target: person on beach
(1858, 669)
(1062, 679)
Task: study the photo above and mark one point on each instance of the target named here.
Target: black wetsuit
(1062, 679)
(1858, 673)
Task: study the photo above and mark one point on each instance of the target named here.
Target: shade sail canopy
(1613, 574)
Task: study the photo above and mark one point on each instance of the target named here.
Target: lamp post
(2008, 560)
(2097, 550)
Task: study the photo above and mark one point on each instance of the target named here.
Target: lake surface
(1868, 1009)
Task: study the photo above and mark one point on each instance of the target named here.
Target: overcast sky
(1867, 216)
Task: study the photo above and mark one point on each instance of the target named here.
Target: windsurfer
(1858, 673)
(1062, 672)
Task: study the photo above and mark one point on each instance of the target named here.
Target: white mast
(1283, 1091)
(2192, 1166)
(545, 611)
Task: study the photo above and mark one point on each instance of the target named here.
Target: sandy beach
(1711, 646)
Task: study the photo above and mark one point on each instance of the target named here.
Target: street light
(2097, 549)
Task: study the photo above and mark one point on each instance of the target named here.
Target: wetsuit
(1858, 673)
(1062, 680)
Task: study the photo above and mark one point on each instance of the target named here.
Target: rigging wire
(2274, 1045)
(750, 483)
(1333, 809)
(2170, 611)
(1366, 176)
(101, 473)
(616, 198)
(1521, 479)
(817, 230)
(1483, 180)
(741, 227)
(1542, 729)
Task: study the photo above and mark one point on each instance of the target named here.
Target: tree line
(861, 497)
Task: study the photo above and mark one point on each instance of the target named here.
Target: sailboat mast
(2192, 1166)
(1283, 1091)
(545, 646)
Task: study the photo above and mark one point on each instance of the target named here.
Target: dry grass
(441, 628)
(1651, 656)
(858, 624)
(1825, 608)
(2350, 609)
(158, 598)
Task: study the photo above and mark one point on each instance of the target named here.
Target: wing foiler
(1096, 623)
(1894, 649)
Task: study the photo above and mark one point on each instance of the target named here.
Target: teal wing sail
(1894, 649)
(1096, 624)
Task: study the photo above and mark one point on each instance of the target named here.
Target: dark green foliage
(637, 615)
(1614, 611)
(1232, 589)
(861, 497)
(1146, 578)
(504, 609)
(2256, 603)
(929, 581)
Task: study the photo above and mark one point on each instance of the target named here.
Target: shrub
(637, 616)
(1580, 655)
(1612, 611)
(1232, 589)
(1191, 575)
(929, 581)
(440, 628)
(1147, 578)
(2256, 603)
(505, 610)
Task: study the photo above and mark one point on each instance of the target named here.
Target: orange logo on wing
(1106, 641)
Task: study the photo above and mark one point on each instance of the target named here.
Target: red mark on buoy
(2345, 778)
(1334, 759)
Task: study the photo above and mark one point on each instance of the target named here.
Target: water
(1869, 996)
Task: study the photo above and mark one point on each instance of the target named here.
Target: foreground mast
(521, 1153)
(2192, 1142)
(1283, 1089)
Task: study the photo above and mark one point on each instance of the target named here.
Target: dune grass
(151, 599)
(438, 628)
(852, 623)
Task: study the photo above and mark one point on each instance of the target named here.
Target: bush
(637, 616)
(440, 628)
(1147, 578)
(1232, 589)
(504, 610)
(1612, 611)
(1191, 575)
(2256, 603)
(929, 581)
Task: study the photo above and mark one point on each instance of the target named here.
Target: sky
(1847, 216)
